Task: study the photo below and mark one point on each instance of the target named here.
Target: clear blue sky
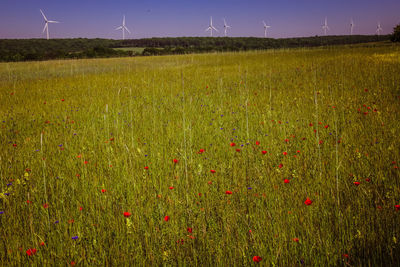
(161, 18)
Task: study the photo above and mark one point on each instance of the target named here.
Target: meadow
(281, 157)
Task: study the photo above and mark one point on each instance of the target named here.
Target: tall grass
(83, 141)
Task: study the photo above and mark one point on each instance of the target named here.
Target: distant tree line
(41, 49)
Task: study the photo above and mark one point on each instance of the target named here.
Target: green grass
(137, 50)
(69, 129)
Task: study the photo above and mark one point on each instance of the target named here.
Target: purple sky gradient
(170, 18)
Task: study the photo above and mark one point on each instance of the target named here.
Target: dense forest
(41, 49)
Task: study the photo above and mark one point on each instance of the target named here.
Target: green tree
(396, 34)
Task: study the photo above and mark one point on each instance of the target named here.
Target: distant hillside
(41, 49)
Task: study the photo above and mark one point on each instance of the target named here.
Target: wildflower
(280, 166)
(103, 190)
(233, 144)
(14, 145)
(175, 161)
(1, 212)
(284, 153)
(127, 214)
(80, 208)
(146, 167)
(286, 181)
(367, 179)
(42, 244)
(397, 207)
(308, 202)
(72, 263)
(191, 237)
(257, 143)
(286, 140)
(296, 239)
(190, 230)
(31, 251)
(356, 183)
(298, 151)
(326, 126)
(237, 149)
(86, 162)
(200, 151)
(228, 192)
(257, 259)
(63, 100)
(171, 187)
(212, 171)
(166, 218)
(264, 152)
(75, 237)
(45, 205)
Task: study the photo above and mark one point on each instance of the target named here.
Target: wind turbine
(325, 26)
(123, 28)
(226, 26)
(378, 28)
(211, 27)
(265, 29)
(46, 24)
(351, 26)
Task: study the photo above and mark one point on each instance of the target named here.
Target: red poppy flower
(280, 166)
(257, 259)
(191, 237)
(345, 255)
(73, 263)
(264, 152)
(286, 140)
(212, 171)
(308, 202)
(63, 100)
(14, 145)
(295, 239)
(80, 208)
(367, 180)
(284, 153)
(103, 190)
(397, 207)
(146, 167)
(233, 144)
(45, 205)
(310, 124)
(228, 192)
(298, 151)
(175, 161)
(31, 251)
(86, 162)
(171, 187)
(127, 214)
(326, 126)
(356, 183)
(237, 149)
(286, 181)
(257, 143)
(200, 151)
(42, 244)
(166, 218)
(190, 230)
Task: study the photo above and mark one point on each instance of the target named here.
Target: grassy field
(212, 159)
(137, 50)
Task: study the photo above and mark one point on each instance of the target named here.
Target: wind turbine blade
(214, 28)
(209, 28)
(53, 21)
(45, 26)
(43, 15)
(264, 24)
(118, 28)
(123, 21)
(127, 29)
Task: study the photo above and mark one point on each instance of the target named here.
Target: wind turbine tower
(123, 28)
(211, 27)
(265, 29)
(46, 24)
(351, 26)
(226, 26)
(325, 26)
(378, 28)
